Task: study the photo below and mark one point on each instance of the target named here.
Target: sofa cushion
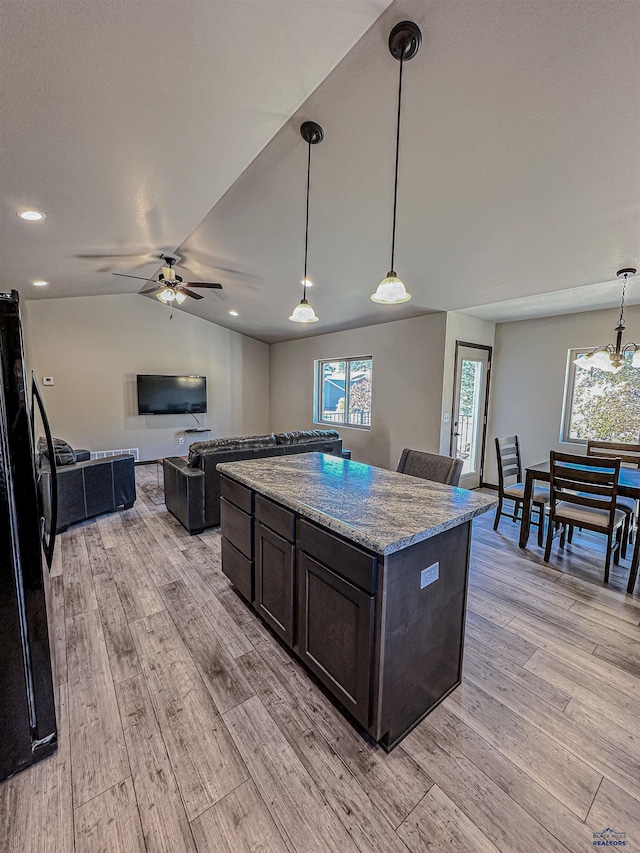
(64, 453)
(304, 436)
(224, 445)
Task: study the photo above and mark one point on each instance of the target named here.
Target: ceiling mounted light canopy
(404, 42)
(312, 134)
(611, 357)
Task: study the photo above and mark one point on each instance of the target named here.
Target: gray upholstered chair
(430, 466)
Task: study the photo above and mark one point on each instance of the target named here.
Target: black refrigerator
(27, 708)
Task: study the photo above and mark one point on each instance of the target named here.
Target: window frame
(567, 402)
(317, 381)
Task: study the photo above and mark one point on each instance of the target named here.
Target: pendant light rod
(306, 227)
(395, 179)
(404, 42)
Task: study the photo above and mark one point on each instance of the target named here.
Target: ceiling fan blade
(192, 295)
(124, 275)
(151, 289)
(214, 285)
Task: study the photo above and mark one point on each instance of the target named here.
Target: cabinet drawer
(347, 560)
(237, 527)
(276, 517)
(235, 493)
(238, 569)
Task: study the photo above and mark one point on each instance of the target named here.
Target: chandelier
(611, 357)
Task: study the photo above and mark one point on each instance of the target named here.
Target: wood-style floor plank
(395, 782)
(110, 823)
(239, 823)
(366, 824)
(294, 801)
(224, 681)
(589, 690)
(120, 648)
(620, 811)
(560, 772)
(603, 756)
(79, 594)
(99, 753)
(437, 823)
(164, 821)
(138, 594)
(494, 812)
(205, 761)
(560, 821)
(59, 651)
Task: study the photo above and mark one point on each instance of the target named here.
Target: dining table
(628, 485)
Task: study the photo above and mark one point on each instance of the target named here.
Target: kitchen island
(362, 572)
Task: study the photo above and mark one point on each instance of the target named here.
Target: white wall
(407, 385)
(471, 330)
(527, 388)
(94, 346)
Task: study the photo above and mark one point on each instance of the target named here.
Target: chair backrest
(627, 453)
(509, 465)
(585, 481)
(430, 466)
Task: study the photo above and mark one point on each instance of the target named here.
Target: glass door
(470, 397)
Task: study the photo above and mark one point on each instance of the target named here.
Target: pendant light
(312, 133)
(404, 42)
(611, 357)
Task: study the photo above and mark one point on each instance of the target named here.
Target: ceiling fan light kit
(611, 357)
(312, 134)
(404, 42)
(170, 289)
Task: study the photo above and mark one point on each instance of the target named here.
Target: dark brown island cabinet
(361, 572)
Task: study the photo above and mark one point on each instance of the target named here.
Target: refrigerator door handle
(53, 519)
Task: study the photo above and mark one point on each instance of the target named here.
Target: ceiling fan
(170, 287)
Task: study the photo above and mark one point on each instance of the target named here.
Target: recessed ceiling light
(40, 283)
(233, 313)
(32, 215)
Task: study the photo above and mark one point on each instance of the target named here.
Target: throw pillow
(64, 453)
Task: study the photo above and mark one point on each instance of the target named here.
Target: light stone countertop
(381, 510)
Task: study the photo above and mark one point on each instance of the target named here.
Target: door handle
(456, 433)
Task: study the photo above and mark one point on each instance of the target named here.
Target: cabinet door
(335, 634)
(274, 581)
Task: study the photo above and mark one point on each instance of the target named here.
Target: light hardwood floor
(184, 726)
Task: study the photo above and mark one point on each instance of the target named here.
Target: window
(601, 405)
(343, 392)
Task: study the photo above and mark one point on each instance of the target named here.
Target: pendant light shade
(404, 42)
(180, 296)
(303, 313)
(312, 133)
(391, 291)
(611, 357)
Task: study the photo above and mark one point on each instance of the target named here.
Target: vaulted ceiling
(145, 127)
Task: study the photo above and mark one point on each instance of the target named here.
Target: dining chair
(584, 491)
(510, 468)
(430, 466)
(629, 454)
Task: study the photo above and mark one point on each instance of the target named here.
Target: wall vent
(102, 454)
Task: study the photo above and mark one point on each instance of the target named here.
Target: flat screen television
(172, 395)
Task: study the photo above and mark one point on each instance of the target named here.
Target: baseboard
(489, 486)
